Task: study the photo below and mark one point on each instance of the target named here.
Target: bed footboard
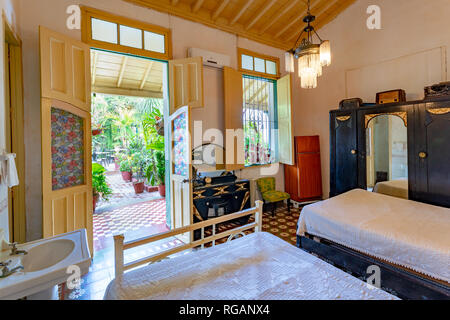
(120, 246)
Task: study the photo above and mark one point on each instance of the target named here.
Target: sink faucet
(5, 271)
(14, 250)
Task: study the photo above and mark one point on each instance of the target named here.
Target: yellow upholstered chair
(266, 187)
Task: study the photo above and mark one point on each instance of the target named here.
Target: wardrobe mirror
(387, 153)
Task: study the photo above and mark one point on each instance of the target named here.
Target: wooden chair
(266, 187)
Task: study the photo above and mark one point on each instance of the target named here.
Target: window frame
(88, 14)
(242, 51)
(273, 112)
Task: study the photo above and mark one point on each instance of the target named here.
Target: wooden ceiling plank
(220, 9)
(122, 71)
(274, 19)
(260, 14)
(175, 2)
(325, 6)
(241, 12)
(197, 5)
(146, 74)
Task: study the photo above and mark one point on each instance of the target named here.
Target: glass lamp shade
(289, 60)
(309, 68)
(325, 53)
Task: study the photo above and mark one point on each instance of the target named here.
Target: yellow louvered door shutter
(66, 135)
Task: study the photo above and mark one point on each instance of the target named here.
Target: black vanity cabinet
(428, 127)
(430, 156)
(344, 157)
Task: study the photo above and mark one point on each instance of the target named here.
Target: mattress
(395, 188)
(259, 266)
(406, 233)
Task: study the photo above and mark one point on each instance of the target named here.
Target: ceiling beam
(122, 71)
(220, 9)
(197, 5)
(94, 70)
(275, 18)
(260, 14)
(128, 92)
(320, 11)
(146, 74)
(241, 12)
(300, 17)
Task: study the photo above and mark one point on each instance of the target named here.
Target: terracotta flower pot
(95, 199)
(96, 132)
(127, 176)
(162, 190)
(139, 187)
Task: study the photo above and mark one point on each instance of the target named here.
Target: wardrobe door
(432, 154)
(344, 153)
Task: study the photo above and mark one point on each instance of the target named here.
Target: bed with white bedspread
(406, 233)
(259, 266)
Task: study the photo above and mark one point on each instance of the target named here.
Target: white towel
(10, 174)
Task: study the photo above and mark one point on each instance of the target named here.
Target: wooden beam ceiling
(119, 74)
(277, 23)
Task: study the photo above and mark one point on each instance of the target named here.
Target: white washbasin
(49, 262)
(46, 255)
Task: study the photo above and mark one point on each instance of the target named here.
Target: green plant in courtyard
(159, 169)
(125, 165)
(99, 185)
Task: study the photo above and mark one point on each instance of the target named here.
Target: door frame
(15, 140)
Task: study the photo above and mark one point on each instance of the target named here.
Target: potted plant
(160, 172)
(138, 163)
(100, 189)
(126, 170)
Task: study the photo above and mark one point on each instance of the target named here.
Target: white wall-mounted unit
(210, 59)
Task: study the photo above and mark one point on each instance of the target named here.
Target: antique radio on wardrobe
(348, 104)
(392, 96)
(438, 90)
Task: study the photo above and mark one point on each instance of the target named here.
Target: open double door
(66, 135)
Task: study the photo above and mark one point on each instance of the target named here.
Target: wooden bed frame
(120, 246)
(395, 280)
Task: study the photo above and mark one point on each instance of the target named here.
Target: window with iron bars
(260, 121)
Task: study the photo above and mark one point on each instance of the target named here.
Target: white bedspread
(259, 266)
(407, 233)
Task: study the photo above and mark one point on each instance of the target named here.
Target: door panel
(310, 178)
(186, 83)
(66, 63)
(181, 172)
(66, 135)
(432, 154)
(234, 103)
(344, 163)
(285, 129)
(66, 169)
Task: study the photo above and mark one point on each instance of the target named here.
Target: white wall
(408, 27)
(10, 10)
(185, 34)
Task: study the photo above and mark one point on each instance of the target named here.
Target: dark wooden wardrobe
(303, 181)
(428, 127)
